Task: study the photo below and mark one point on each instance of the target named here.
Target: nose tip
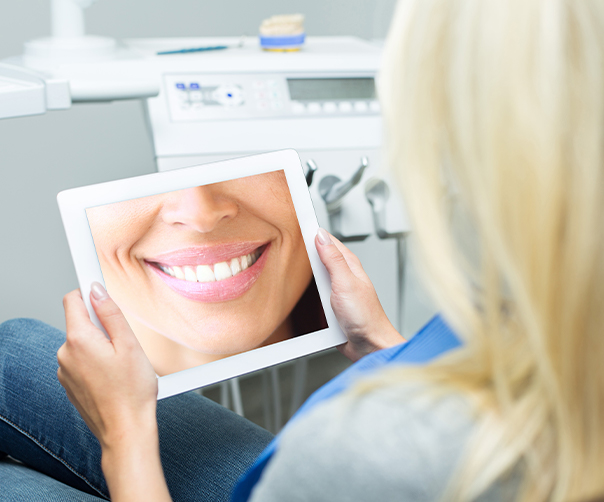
(199, 208)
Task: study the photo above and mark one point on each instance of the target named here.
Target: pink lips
(209, 292)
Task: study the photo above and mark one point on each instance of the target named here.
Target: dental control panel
(200, 96)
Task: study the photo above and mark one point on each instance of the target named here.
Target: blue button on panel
(194, 85)
(180, 86)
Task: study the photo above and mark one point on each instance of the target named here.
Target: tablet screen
(209, 271)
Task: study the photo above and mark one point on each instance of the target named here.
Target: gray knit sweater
(399, 443)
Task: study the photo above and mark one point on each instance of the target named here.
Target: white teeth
(235, 266)
(178, 273)
(222, 271)
(190, 274)
(205, 274)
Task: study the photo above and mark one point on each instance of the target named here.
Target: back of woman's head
(495, 122)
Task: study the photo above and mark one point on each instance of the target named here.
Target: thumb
(332, 258)
(108, 312)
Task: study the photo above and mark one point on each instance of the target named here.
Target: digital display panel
(301, 89)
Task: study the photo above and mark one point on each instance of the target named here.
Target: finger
(332, 257)
(76, 315)
(109, 314)
(353, 261)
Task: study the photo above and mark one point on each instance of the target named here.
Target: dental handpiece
(377, 194)
(332, 189)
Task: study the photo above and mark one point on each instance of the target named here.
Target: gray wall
(39, 156)
(22, 20)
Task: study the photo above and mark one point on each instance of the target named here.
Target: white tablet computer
(214, 266)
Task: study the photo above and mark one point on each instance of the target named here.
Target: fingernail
(323, 237)
(98, 291)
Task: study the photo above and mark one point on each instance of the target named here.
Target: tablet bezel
(74, 202)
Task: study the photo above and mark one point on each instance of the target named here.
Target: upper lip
(206, 255)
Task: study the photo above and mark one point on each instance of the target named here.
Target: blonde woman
(495, 119)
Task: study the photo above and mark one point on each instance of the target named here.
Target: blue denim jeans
(204, 447)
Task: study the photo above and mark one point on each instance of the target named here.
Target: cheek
(115, 250)
(296, 271)
(122, 272)
(304, 269)
(117, 230)
(294, 257)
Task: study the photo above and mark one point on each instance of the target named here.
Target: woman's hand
(109, 381)
(354, 301)
(113, 386)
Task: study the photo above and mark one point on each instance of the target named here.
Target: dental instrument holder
(312, 168)
(333, 190)
(377, 194)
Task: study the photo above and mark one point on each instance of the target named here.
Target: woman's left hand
(114, 387)
(109, 380)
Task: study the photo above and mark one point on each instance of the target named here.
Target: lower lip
(218, 291)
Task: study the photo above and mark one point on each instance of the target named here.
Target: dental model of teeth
(282, 33)
(285, 24)
(211, 273)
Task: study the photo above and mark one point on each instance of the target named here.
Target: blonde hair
(494, 115)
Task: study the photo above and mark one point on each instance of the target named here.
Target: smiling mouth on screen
(211, 274)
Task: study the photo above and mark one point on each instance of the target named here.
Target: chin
(221, 345)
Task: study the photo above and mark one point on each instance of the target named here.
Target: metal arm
(333, 190)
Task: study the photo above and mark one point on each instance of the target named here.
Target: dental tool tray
(214, 266)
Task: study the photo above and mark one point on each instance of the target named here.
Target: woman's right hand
(354, 301)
